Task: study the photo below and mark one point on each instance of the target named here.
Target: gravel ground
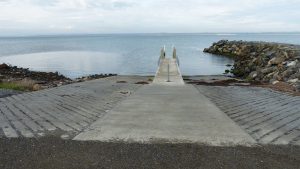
(50, 153)
(7, 92)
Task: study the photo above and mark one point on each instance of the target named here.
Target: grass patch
(12, 86)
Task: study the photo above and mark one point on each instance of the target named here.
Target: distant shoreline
(155, 33)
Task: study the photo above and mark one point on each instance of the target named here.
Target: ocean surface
(125, 54)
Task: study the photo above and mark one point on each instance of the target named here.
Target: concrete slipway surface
(167, 110)
(173, 114)
(117, 122)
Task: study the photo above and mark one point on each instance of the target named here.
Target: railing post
(174, 53)
(162, 52)
(168, 73)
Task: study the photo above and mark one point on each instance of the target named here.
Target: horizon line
(140, 33)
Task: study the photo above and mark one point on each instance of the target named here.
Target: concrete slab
(64, 110)
(167, 114)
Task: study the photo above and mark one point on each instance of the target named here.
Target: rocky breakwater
(261, 61)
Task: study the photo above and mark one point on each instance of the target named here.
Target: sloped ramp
(167, 114)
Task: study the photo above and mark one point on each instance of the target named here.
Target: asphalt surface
(55, 153)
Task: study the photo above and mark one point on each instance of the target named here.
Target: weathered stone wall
(262, 61)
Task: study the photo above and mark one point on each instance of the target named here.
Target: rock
(261, 61)
(295, 76)
(206, 50)
(270, 54)
(293, 63)
(268, 70)
(293, 80)
(36, 87)
(277, 60)
(253, 75)
(287, 73)
(275, 82)
(59, 84)
(4, 66)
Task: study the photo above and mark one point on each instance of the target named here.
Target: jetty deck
(168, 73)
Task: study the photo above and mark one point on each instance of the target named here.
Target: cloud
(121, 16)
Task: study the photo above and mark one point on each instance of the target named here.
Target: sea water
(124, 54)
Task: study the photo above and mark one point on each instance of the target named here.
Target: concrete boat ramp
(167, 111)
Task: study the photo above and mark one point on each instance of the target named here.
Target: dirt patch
(49, 153)
(93, 77)
(121, 81)
(280, 86)
(215, 82)
(142, 83)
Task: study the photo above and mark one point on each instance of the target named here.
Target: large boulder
(4, 66)
(276, 60)
(268, 70)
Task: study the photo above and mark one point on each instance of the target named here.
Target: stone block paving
(269, 116)
(63, 111)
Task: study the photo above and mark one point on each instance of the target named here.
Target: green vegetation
(227, 71)
(12, 86)
(150, 79)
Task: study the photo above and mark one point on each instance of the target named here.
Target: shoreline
(207, 80)
(23, 79)
(257, 64)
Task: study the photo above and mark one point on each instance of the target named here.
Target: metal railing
(175, 56)
(162, 54)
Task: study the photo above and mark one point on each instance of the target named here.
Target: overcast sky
(23, 17)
